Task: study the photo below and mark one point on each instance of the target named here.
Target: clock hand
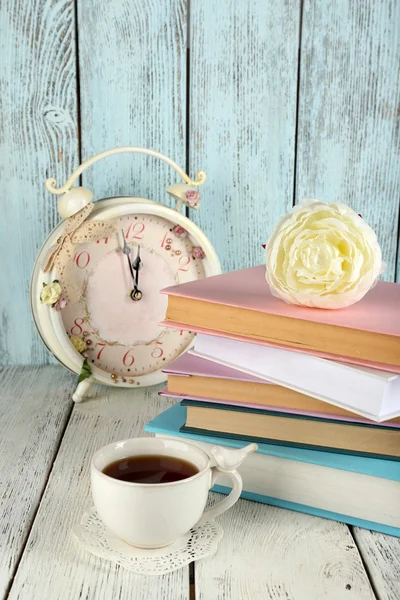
(127, 251)
(137, 265)
(135, 294)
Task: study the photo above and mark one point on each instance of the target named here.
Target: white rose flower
(49, 294)
(322, 255)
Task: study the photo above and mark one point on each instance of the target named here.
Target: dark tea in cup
(150, 468)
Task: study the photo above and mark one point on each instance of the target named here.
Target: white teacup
(155, 515)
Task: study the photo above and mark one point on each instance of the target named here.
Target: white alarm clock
(96, 284)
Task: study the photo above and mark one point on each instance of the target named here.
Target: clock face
(116, 334)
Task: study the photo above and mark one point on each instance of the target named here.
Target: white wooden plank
(38, 139)
(381, 555)
(132, 58)
(54, 565)
(269, 553)
(34, 408)
(243, 83)
(348, 135)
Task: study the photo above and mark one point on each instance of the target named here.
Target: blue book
(356, 490)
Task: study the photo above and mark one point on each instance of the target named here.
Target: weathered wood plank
(54, 565)
(38, 139)
(34, 408)
(243, 78)
(381, 555)
(132, 57)
(269, 553)
(349, 116)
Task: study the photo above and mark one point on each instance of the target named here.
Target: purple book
(188, 364)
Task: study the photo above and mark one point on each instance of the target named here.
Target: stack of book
(318, 390)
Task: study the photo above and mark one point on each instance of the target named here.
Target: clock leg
(82, 389)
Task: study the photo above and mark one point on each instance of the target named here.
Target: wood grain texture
(54, 565)
(381, 554)
(132, 64)
(349, 112)
(243, 78)
(34, 408)
(38, 139)
(268, 553)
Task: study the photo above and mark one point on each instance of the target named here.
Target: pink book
(189, 364)
(378, 312)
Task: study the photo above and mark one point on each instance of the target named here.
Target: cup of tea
(150, 492)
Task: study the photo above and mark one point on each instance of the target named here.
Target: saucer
(201, 541)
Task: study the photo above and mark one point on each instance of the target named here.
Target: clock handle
(51, 183)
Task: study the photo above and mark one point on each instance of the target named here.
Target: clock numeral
(101, 350)
(163, 240)
(128, 359)
(157, 352)
(184, 261)
(82, 259)
(136, 230)
(77, 329)
(105, 241)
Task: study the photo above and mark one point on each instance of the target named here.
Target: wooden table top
(267, 553)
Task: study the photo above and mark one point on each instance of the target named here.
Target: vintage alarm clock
(96, 284)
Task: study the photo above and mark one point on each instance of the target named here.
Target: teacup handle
(227, 462)
(214, 511)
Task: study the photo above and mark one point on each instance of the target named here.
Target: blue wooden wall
(276, 101)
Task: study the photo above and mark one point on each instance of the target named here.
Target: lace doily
(200, 542)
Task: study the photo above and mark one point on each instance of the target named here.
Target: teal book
(285, 428)
(357, 490)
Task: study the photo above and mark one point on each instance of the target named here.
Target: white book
(368, 392)
(314, 488)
